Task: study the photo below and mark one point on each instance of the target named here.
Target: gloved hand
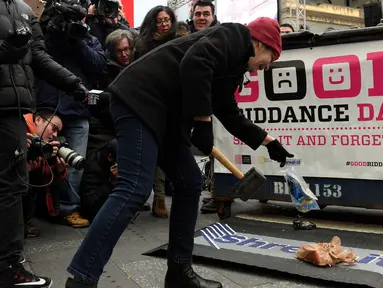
(10, 54)
(80, 93)
(277, 152)
(202, 136)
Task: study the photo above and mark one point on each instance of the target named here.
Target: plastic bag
(326, 254)
(301, 195)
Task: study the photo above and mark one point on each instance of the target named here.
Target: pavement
(50, 253)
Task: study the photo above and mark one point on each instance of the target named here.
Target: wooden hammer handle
(226, 162)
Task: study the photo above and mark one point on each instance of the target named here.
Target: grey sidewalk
(51, 252)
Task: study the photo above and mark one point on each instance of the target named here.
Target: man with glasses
(94, 190)
(47, 126)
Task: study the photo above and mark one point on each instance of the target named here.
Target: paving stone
(128, 268)
(151, 273)
(112, 277)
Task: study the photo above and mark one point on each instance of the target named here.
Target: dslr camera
(66, 16)
(39, 148)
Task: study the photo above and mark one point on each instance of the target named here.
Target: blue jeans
(76, 130)
(137, 160)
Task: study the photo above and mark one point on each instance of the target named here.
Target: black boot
(183, 276)
(71, 283)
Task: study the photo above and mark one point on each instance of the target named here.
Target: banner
(324, 104)
(245, 11)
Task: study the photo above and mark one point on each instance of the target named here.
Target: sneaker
(159, 209)
(75, 220)
(145, 207)
(17, 276)
(33, 231)
(22, 259)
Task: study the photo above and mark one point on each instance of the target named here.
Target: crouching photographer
(99, 178)
(70, 43)
(48, 160)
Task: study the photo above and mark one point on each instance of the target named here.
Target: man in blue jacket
(85, 58)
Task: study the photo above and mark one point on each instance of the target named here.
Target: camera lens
(108, 9)
(74, 159)
(46, 149)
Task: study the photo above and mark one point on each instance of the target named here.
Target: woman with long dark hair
(159, 26)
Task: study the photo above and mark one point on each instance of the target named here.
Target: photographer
(99, 178)
(103, 19)
(69, 42)
(22, 53)
(119, 52)
(47, 126)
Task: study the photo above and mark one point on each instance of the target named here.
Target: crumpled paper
(326, 254)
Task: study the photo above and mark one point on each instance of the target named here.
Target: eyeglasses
(159, 21)
(127, 51)
(54, 127)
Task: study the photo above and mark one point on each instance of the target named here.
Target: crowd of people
(49, 64)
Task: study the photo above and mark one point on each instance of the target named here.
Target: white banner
(324, 105)
(245, 11)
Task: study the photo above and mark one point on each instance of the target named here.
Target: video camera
(67, 16)
(107, 8)
(39, 148)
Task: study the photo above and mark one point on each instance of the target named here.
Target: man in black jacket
(203, 16)
(95, 186)
(22, 53)
(155, 102)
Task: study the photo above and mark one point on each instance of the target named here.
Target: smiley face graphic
(336, 76)
(285, 81)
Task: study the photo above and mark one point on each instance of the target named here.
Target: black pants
(12, 137)
(29, 207)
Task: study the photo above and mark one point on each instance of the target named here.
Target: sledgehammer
(249, 183)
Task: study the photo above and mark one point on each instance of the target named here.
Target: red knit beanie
(267, 31)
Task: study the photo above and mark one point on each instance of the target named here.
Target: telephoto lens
(74, 159)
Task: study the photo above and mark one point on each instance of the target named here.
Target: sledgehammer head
(250, 184)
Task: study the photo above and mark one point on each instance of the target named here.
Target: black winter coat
(195, 75)
(19, 76)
